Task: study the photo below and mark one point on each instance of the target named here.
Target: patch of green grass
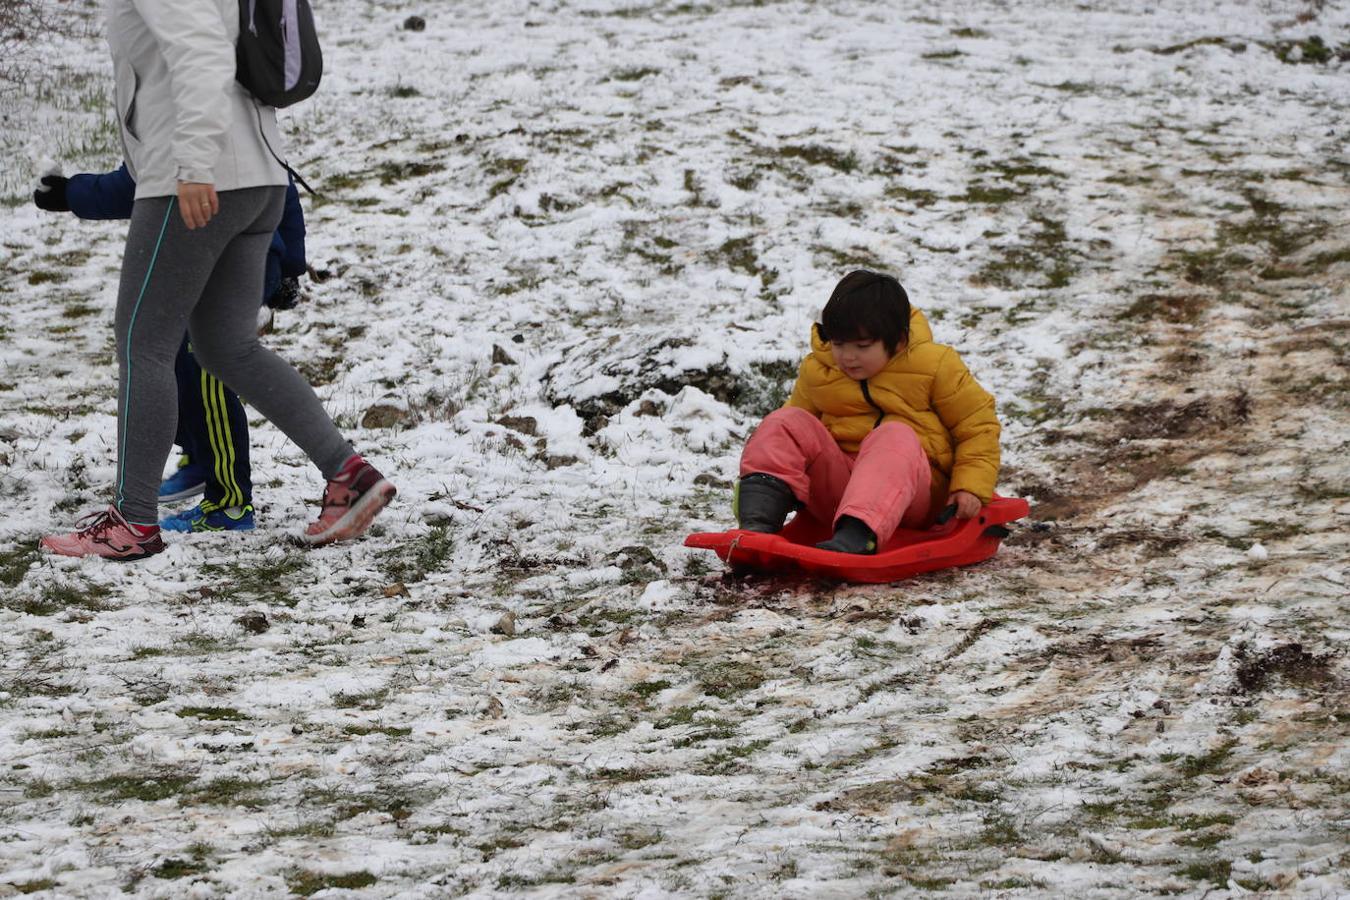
(974, 792)
(372, 699)
(265, 580)
(512, 880)
(609, 725)
(48, 734)
(38, 788)
(626, 774)
(1195, 823)
(1210, 265)
(193, 862)
(1143, 812)
(413, 560)
(765, 388)
(53, 411)
(314, 828)
(707, 728)
(1312, 50)
(343, 181)
(820, 155)
(1255, 885)
(500, 842)
(1209, 761)
(738, 254)
(728, 759)
(147, 788)
(645, 690)
(601, 620)
(506, 171)
(551, 203)
(1215, 871)
(635, 73)
(227, 792)
(1015, 168)
(212, 714)
(388, 730)
(174, 868)
(726, 680)
(56, 598)
(918, 197)
(1267, 242)
(1044, 258)
(943, 54)
(33, 887)
(1075, 87)
(395, 172)
(746, 180)
(680, 715)
(990, 195)
(850, 258)
(1322, 261)
(1235, 46)
(203, 643)
(933, 883)
(1011, 884)
(652, 249)
(15, 563)
(1172, 308)
(79, 311)
(636, 839)
(1204, 840)
(305, 883)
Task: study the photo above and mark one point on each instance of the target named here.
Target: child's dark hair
(866, 306)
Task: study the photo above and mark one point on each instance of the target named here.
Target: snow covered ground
(569, 255)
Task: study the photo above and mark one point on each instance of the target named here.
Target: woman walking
(209, 194)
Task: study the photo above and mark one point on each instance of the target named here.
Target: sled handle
(945, 516)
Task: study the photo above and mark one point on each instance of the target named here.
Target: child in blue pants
(212, 425)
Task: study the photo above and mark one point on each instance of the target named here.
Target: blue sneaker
(205, 517)
(188, 480)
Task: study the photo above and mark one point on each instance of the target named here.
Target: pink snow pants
(886, 485)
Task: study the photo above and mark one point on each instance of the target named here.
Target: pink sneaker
(351, 501)
(108, 535)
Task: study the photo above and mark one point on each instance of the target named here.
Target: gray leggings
(208, 282)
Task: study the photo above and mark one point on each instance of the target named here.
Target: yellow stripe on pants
(222, 444)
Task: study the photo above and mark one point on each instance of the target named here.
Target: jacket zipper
(867, 395)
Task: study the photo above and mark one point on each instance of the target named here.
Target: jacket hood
(919, 333)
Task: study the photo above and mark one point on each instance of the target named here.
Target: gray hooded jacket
(182, 115)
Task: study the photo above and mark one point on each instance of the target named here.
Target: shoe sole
(356, 520)
(183, 495)
(189, 530)
(132, 558)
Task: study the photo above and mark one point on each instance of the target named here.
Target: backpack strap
(299, 179)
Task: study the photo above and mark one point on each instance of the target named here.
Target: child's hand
(51, 194)
(967, 504)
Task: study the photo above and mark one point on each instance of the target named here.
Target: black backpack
(277, 57)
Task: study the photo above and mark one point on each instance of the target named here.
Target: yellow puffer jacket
(927, 387)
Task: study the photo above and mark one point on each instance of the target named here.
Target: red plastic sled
(957, 542)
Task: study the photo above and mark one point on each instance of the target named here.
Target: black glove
(287, 294)
(52, 195)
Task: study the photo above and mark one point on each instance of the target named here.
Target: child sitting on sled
(884, 427)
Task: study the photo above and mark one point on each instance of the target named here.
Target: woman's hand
(967, 504)
(198, 203)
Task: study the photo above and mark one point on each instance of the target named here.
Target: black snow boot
(851, 536)
(763, 502)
